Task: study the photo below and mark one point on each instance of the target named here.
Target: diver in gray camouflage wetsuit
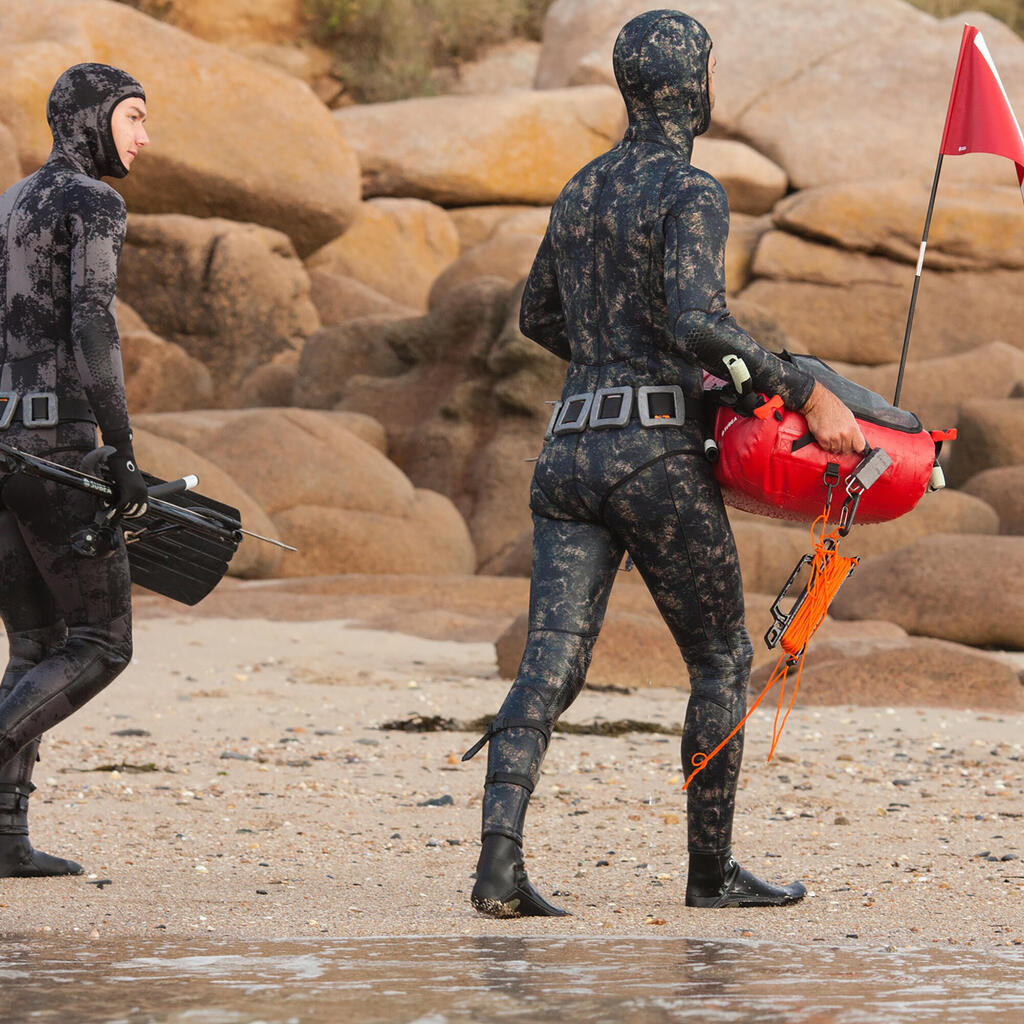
(628, 286)
(67, 618)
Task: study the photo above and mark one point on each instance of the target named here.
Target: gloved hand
(130, 491)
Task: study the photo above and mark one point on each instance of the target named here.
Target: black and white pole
(917, 282)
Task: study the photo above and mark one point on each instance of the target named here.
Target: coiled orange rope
(828, 571)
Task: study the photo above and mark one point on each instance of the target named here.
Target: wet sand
(236, 782)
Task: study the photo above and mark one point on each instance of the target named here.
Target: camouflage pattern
(68, 618)
(629, 287)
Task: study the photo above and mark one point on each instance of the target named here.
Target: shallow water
(497, 979)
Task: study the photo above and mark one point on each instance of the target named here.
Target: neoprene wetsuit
(68, 618)
(628, 286)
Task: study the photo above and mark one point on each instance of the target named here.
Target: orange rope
(828, 571)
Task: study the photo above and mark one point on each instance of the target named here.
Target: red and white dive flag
(980, 118)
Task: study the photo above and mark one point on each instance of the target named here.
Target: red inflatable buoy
(769, 464)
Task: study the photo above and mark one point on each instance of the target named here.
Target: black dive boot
(716, 880)
(502, 888)
(18, 859)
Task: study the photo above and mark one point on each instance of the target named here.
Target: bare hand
(831, 423)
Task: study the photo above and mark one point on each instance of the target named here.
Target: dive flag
(980, 118)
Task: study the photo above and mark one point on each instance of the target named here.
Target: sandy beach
(238, 781)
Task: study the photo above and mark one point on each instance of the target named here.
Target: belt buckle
(619, 419)
(8, 407)
(572, 417)
(643, 404)
(28, 409)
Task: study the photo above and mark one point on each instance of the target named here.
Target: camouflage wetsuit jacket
(628, 286)
(68, 618)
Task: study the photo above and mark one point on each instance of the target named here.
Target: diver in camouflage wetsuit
(628, 286)
(67, 618)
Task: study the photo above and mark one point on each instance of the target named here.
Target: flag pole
(917, 282)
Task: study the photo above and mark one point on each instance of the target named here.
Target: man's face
(711, 80)
(127, 125)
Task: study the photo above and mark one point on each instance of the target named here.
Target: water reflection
(500, 979)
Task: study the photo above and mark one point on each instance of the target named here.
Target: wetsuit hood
(79, 110)
(661, 66)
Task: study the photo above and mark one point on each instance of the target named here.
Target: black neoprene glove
(130, 491)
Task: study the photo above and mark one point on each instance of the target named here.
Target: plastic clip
(772, 407)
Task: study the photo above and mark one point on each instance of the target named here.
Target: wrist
(812, 399)
(120, 440)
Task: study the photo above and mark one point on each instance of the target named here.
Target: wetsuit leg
(574, 566)
(34, 632)
(92, 596)
(674, 523)
(673, 520)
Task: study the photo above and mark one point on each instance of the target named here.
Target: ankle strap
(510, 779)
(14, 798)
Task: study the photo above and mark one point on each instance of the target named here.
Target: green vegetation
(1010, 11)
(391, 49)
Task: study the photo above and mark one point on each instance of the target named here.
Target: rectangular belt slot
(39, 409)
(661, 405)
(574, 414)
(612, 407)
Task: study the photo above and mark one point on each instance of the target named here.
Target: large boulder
(397, 247)
(946, 511)
(231, 21)
(866, 107)
(476, 224)
(461, 393)
(990, 434)
(769, 549)
(752, 182)
(427, 535)
(936, 389)
(843, 104)
(1003, 489)
(336, 497)
(905, 671)
(10, 165)
(170, 460)
(339, 298)
(335, 355)
(232, 138)
(964, 588)
(506, 256)
(194, 428)
(973, 226)
(231, 295)
(160, 376)
(851, 306)
(515, 147)
(744, 237)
